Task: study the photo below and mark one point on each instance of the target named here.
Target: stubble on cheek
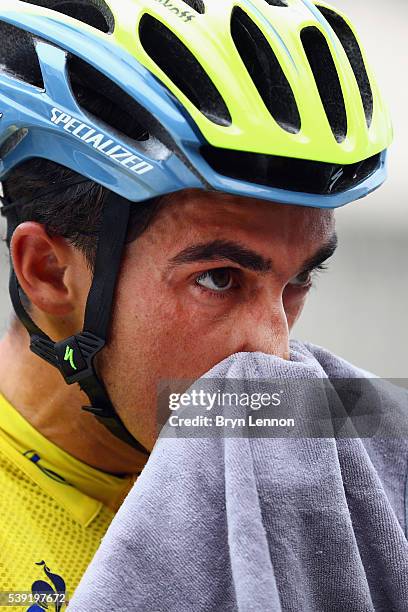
(150, 341)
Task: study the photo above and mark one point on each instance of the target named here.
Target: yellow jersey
(54, 510)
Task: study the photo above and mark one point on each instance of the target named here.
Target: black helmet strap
(74, 356)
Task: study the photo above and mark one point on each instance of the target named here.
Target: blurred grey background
(359, 307)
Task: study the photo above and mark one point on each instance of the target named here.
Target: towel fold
(268, 523)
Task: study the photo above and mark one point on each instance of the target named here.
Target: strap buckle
(75, 356)
(72, 356)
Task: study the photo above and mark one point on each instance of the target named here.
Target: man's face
(213, 275)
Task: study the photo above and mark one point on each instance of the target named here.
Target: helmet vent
(95, 13)
(196, 5)
(265, 71)
(103, 99)
(300, 175)
(180, 65)
(327, 80)
(18, 56)
(353, 51)
(277, 2)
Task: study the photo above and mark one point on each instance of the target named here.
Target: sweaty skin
(212, 275)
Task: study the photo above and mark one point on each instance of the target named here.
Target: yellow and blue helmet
(265, 98)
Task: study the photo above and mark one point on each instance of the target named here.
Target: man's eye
(220, 279)
(301, 280)
(304, 279)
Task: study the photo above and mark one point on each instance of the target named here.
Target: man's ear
(42, 264)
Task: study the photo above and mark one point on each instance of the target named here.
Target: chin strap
(74, 356)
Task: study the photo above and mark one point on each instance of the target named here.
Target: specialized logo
(100, 142)
(186, 15)
(335, 178)
(69, 356)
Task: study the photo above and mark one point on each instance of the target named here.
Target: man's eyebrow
(246, 258)
(324, 253)
(222, 249)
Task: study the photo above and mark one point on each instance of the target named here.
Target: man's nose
(265, 329)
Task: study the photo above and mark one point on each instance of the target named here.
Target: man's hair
(73, 213)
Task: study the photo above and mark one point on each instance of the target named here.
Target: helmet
(269, 98)
(265, 98)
